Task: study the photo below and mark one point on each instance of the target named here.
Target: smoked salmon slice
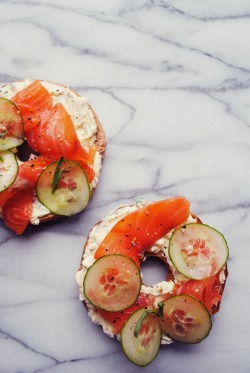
(140, 229)
(56, 136)
(34, 102)
(207, 291)
(27, 176)
(49, 129)
(118, 319)
(17, 210)
(30, 170)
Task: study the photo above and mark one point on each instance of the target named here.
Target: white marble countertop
(170, 82)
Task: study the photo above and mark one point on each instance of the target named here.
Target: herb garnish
(158, 313)
(57, 175)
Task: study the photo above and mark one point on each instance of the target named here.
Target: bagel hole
(153, 270)
(24, 152)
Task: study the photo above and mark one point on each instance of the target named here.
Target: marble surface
(170, 81)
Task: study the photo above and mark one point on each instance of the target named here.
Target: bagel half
(88, 124)
(96, 236)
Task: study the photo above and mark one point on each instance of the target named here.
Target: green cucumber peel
(158, 312)
(2, 134)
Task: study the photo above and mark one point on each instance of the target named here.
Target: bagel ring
(152, 294)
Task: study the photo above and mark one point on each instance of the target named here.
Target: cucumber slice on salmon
(112, 283)
(142, 348)
(63, 188)
(198, 251)
(185, 319)
(11, 125)
(8, 169)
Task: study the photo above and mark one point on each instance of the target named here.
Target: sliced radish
(198, 251)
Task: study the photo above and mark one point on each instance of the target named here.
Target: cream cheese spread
(96, 236)
(78, 108)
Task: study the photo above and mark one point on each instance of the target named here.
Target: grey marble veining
(170, 81)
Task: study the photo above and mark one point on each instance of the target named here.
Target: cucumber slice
(11, 125)
(198, 251)
(185, 319)
(8, 169)
(64, 190)
(143, 349)
(112, 283)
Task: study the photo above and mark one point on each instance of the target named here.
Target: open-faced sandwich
(52, 146)
(179, 308)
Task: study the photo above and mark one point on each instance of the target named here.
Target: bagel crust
(159, 249)
(87, 125)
